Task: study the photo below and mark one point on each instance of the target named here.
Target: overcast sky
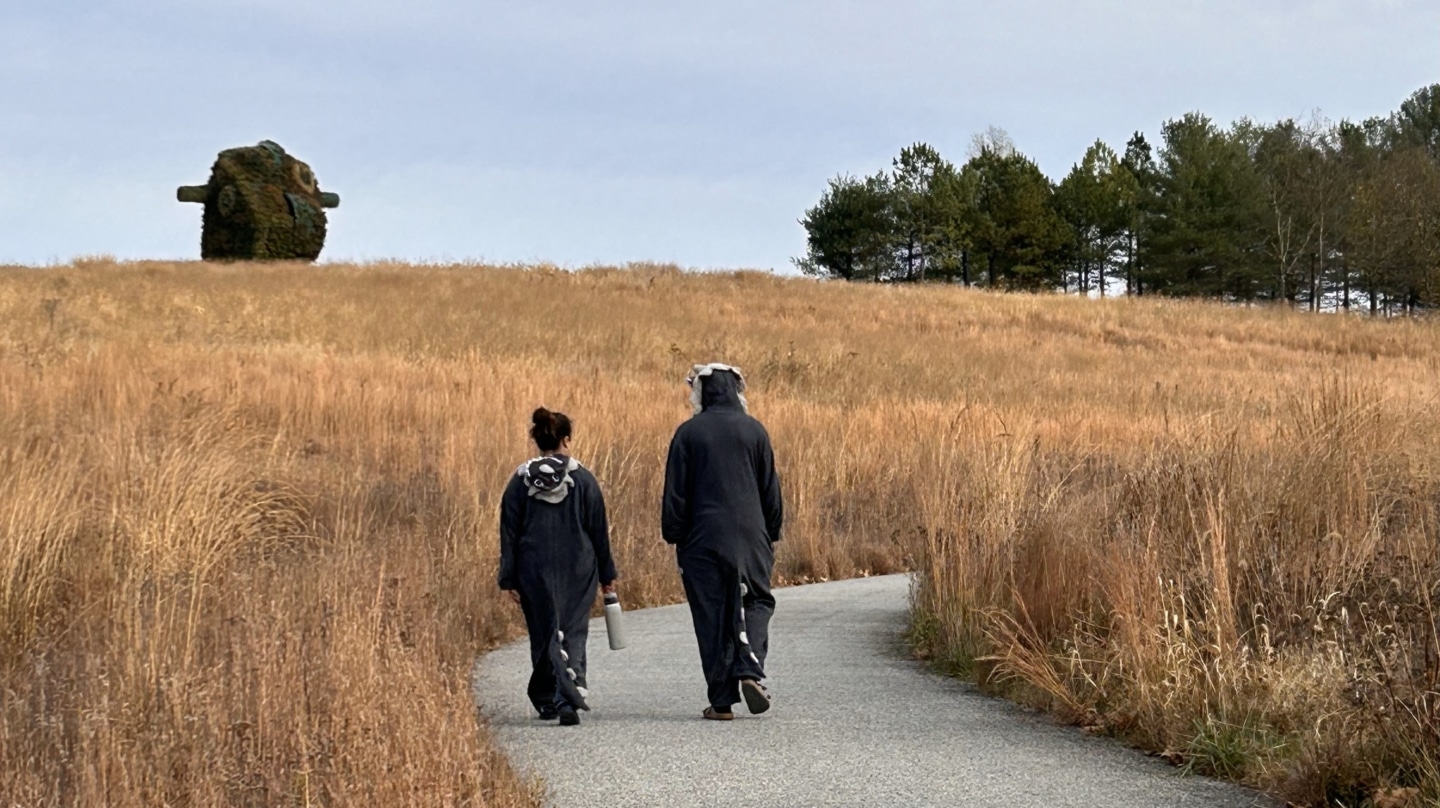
(628, 130)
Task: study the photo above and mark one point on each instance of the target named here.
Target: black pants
(732, 614)
(547, 651)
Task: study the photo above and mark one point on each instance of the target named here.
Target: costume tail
(747, 663)
(568, 683)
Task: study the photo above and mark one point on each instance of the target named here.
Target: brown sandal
(757, 698)
(715, 715)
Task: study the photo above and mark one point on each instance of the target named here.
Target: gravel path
(854, 724)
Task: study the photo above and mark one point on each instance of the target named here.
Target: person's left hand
(514, 595)
(607, 589)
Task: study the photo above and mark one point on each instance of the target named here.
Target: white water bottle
(614, 625)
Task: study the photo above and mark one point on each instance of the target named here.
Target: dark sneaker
(757, 699)
(548, 712)
(568, 716)
(715, 715)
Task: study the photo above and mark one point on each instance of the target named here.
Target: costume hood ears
(696, 380)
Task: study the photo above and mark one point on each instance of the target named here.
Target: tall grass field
(248, 513)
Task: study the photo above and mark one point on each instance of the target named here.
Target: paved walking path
(855, 723)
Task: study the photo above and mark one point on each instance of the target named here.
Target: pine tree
(923, 210)
(1013, 221)
(1206, 231)
(1138, 185)
(849, 232)
(1092, 198)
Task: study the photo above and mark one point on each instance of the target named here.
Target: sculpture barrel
(199, 194)
(329, 199)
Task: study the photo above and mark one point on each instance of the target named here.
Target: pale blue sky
(625, 130)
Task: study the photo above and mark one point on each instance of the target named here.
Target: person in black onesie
(554, 551)
(722, 510)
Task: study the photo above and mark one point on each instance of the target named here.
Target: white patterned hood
(548, 478)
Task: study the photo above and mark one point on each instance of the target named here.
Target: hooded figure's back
(722, 510)
(722, 495)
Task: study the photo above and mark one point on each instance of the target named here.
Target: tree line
(1317, 214)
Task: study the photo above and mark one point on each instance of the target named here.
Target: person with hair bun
(554, 553)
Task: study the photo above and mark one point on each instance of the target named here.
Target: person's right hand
(514, 595)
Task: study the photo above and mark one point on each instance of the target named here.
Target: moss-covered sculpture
(260, 204)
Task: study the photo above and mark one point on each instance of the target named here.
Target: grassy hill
(248, 513)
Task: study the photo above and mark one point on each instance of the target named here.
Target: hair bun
(550, 428)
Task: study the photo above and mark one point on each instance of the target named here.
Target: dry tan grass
(248, 511)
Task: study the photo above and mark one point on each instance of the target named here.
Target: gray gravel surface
(855, 723)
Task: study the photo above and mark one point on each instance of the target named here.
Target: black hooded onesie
(722, 510)
(555, 549)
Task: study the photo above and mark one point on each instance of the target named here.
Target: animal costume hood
(697, 378)
(548, 478)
